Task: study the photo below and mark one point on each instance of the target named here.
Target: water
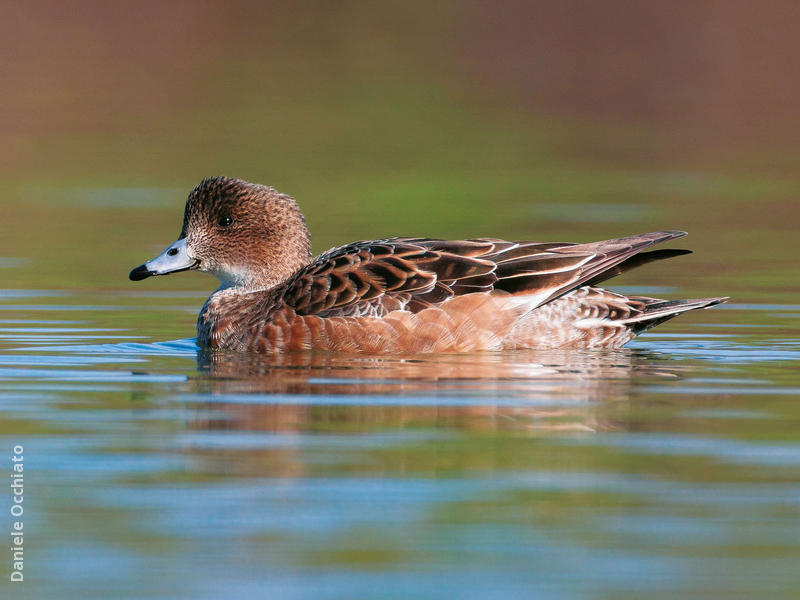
(154, 469)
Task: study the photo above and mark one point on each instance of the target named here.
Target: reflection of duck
(339, 373)
(399, 294)
(549, 390)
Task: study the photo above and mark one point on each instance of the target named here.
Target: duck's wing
(376, 277)
(547, 271)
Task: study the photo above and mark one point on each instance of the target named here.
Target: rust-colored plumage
(400, 295)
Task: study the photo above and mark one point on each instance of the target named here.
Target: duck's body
(400, 295)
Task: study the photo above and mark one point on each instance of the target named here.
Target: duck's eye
(225, 222)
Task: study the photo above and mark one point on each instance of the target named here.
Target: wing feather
(376, 277)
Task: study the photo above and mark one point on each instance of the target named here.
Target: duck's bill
(173, 260)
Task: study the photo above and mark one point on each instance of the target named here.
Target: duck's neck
(272, 268)
(258, 281)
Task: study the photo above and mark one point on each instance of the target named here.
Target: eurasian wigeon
(399, 295)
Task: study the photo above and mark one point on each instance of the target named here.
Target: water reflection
(321, 372)
(542, 390)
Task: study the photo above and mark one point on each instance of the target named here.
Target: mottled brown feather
(421, 295)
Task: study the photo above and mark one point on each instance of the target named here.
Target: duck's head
(247, 235)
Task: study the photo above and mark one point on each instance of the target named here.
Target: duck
(400, 295)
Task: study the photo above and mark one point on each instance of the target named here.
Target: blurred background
(669, 469)
(568, 120)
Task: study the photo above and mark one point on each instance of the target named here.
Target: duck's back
(408, 295)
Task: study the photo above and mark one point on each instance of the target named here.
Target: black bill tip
(140, 272)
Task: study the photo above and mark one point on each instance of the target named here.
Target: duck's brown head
(248, 235)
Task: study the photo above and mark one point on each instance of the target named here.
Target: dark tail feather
(657, 311)
(637, 260)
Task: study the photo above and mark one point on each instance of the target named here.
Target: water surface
(671, 467)
(154, 470)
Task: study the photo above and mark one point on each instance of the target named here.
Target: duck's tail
(657, 311)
